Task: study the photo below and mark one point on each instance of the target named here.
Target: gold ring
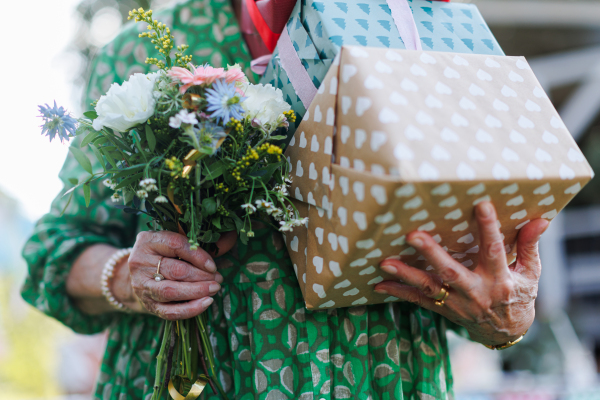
(440, 299)
(158, 276)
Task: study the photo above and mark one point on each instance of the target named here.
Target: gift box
(317, 29)
(397, 141)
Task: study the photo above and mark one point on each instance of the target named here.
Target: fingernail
(485, 209)
(219, 278)
(389, 269)
(214, 288)
(381, 291)
(210, 265)
(207, 302)
(416, 242)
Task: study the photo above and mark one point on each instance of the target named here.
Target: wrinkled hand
(495, 301)
(191, 276)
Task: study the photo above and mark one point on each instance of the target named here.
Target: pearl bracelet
(107, 274)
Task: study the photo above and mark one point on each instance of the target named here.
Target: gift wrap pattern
(397, 141)
(318, 29)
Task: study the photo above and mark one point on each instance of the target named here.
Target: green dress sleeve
(58, 240)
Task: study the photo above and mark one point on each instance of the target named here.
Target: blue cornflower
(224, 101)
(209, 134)
(57, 121)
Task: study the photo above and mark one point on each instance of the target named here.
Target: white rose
(125, 106)
(264, 103)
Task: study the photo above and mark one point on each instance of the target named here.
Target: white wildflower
(249, 208)
(109, 183)
(299, 221)
(250, 234)
(274, 211)
(142, 194)
(265, 103)
(115, 197)
(286, 226)
(127, 105)
(282, 190)
(263, 204)
(147, 181)
(161, 199)
(182, 117)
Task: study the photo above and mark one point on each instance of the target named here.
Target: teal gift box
(318, 29)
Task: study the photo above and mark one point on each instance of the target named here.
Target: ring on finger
(158, 276)
(440, 299)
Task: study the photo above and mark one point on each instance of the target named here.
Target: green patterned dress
(267, 345)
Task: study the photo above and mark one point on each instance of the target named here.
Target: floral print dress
(267, 345)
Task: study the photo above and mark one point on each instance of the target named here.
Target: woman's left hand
(495, 301)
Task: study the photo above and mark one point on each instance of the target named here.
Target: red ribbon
(269, 37)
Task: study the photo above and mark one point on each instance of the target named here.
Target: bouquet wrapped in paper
(192, 147)
(397, 141)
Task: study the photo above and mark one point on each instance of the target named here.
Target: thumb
(528, 257)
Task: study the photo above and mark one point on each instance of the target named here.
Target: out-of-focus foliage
(99, 22)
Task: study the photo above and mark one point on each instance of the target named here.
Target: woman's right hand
(191, 276)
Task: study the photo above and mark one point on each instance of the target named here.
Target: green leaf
(265, 174)
(215, 169)
(98, 156)
(82, 159)
(109, 158)
(74, 181)
(244, 238)
(130, 181)
(150, 138)
(87, 194)
(127, 196)
(239, 224)
(209, 206)
(217, 222)
(86, 140)
(278, 137)
(91, 115)
(68, 202)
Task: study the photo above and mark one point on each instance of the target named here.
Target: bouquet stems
(185, 349)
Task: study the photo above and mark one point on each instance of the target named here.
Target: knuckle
(495, 249)
(143, 237)
(175, 241)
(428, 287)
(449, 274)
(166, 292)
(179, 271)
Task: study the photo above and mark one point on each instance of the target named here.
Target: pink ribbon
(304, 86)
(290, 62)
(259, 65)
(405, 22)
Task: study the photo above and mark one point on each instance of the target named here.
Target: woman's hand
(191, 276)
(495, 301)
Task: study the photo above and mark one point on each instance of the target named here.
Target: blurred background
(51, 43)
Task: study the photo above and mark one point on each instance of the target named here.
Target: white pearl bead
(157, 278)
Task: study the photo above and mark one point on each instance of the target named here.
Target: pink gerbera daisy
(235, 75)
(203, 75)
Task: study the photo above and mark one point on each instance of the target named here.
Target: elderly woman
(266, 344)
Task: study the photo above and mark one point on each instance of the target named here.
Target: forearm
(83, 283)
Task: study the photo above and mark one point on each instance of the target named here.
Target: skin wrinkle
(494, 302)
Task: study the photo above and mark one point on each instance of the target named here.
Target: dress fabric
(266, 344)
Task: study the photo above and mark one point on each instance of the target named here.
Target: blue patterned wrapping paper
(318, 29)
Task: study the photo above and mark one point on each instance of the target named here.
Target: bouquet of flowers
(192, 147)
